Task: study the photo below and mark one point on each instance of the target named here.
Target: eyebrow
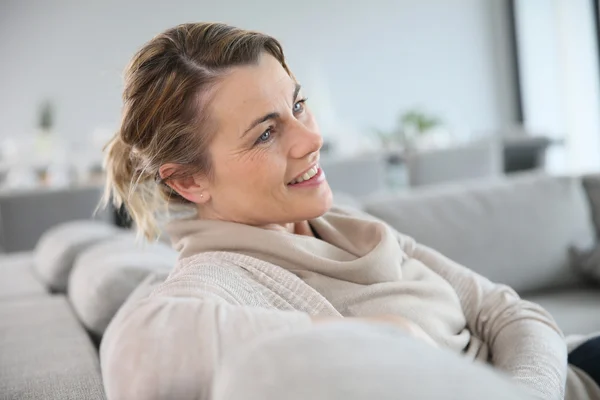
(272, 115)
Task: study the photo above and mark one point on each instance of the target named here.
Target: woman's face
(266, 139)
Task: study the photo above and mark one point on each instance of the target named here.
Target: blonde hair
(165, 117)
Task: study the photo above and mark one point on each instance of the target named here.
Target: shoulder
(218, 275)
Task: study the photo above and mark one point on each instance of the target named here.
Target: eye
(265, 137)
(299, 106)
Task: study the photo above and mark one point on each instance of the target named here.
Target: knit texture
(235, 283)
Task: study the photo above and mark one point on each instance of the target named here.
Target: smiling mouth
(308, 175)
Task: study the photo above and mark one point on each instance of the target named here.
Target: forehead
(247, 91)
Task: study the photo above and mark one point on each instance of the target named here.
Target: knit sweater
(236, 282)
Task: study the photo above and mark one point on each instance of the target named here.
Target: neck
(299, 228)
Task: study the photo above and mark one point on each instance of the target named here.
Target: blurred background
(407, 93)
(471, 125)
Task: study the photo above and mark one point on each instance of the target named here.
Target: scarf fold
(357, 265)
(347, 243)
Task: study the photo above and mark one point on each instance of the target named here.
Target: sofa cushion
(577, 311)
(591, 183)
(587, 262)
(28, 213)
(17, 277)
(105, 274)
(57, 248)
(343, 173)
(354, 361)
(517, 231)
(45, 353)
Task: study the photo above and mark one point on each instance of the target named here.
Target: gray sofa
(26, 214)
(534, 232)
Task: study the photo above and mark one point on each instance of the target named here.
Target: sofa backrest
(455, 164)
(26, 215)
(344, 173)
(517, 231)
(591, 184)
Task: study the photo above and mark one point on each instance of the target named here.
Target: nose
(305, 140)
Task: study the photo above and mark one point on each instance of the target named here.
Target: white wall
(362, 61)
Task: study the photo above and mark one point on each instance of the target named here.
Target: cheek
(264, 168)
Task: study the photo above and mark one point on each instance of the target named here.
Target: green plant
(409, 125)
(46, 116)
(421, 123)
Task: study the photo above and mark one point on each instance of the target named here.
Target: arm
(169, 347)
(523, 338)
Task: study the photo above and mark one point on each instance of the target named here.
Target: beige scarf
(357, 264)
(237, 283)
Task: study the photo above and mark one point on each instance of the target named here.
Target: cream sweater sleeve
(523, 338)
(169, 347)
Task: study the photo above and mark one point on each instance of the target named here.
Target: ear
(190, 188)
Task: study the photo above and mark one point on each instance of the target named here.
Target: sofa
(26, 214)
(536, 233)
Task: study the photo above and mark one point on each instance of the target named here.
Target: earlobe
(203, 198)
(192, 193)
(188, 187)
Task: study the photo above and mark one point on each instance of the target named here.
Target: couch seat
(45, 353)
(17, 277)
(577, 310)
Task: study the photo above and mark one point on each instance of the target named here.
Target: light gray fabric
(26, 215)
(58, 247)
(587, 262)
(516, 231)
(591, 183)
(106, 273)
(577, 311)
(352, 361)
(481, 159)
(44, 352)
(17, 276)
(357, 176)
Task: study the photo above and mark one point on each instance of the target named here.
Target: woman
(215, 121)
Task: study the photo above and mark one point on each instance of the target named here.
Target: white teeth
(307, 175)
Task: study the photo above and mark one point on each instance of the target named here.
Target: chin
(319, 206)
